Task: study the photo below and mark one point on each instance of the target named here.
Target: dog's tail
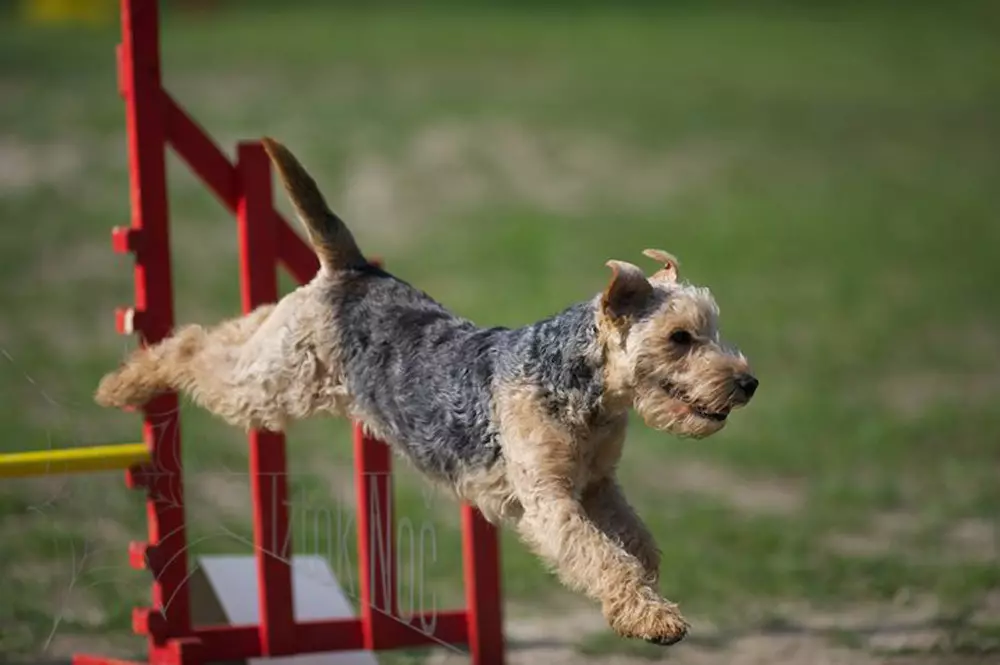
(330, 237)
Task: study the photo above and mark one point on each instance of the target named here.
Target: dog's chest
(599, 451)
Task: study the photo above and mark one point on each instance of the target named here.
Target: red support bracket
(150, 622)
(181, 651)
(137, 553)
(138, 477)
(125, 239)
(129, 320)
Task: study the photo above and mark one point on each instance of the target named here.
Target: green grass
(831, 174)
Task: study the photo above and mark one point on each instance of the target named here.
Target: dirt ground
(905, 633)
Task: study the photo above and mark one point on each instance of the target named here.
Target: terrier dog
(527, 424)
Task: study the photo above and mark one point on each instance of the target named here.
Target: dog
(527, 423)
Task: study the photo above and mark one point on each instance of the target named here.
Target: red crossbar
(221, 643)
(206, 160)
(154, 120)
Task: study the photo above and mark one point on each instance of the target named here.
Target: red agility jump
(155, 120)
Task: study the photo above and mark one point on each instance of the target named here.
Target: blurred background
(830, 170)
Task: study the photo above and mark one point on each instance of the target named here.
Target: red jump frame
(154, 120)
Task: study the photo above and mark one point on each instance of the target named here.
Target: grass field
(832, 174)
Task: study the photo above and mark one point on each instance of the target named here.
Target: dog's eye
(681, 337)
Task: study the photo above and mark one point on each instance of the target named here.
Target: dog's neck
(614, 363)
(568, 353)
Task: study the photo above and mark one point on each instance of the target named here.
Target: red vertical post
(153, 319)
(376, 545)
(268, 469)
(481, 562)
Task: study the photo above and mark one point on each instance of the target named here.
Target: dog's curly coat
(527, 424)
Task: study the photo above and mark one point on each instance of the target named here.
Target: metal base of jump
(155, 120)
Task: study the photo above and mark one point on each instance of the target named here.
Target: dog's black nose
(747, 383)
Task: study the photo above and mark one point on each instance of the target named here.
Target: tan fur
(610, 511)
(582, 542)
(670, 269)
(334, 244)
(262, 370)
(491, 492)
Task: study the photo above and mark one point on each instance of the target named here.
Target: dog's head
(664, 351)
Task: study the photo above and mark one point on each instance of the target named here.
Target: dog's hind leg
(247, 370)
(177, 362)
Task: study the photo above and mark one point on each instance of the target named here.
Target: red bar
(297, 256)
(376, 547)
(222, 643)
(137, 552)
(256, 228)
(126, 239)
(85, 659)
(201, 154)
(149, 621)
(147, 175)
(166, 515)
(268, 476)
(272, 545)
(140, 73)
(395, 633)
(330, 635)
(450, 629)
(229, 643)
(481, 559)
(207, 161)
(178, 651)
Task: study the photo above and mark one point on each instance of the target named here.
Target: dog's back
(419, 377)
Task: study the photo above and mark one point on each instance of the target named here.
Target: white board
(231, 581)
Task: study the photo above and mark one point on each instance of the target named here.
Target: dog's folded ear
(669, 271)
(627, 291)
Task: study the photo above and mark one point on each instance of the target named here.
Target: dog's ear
(627, 291)
(670, 270)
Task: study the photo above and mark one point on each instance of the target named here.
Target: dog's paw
(130, 386)
(655, 621)
(113, 392)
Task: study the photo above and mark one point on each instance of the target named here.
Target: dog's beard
(668, 406)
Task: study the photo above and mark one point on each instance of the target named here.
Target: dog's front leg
(587, 559)
(542, 463)
(607, 506)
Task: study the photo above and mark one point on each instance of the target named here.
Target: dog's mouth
(717, 416)
(694, 407)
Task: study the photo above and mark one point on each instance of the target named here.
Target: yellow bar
(72, 460)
